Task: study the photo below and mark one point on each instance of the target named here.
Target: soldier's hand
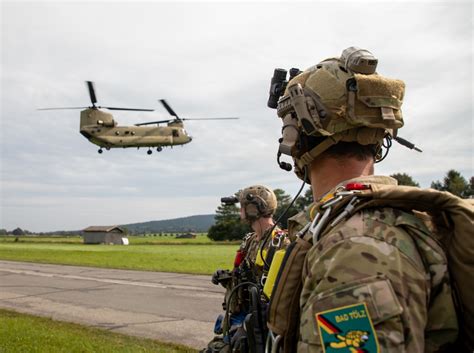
(221, 277)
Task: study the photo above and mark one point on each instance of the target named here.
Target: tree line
(229, 227)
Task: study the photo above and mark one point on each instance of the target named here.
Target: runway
(170, 307)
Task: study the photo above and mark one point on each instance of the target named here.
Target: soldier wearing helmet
(257, 206)
(258, 203)
(375, 270)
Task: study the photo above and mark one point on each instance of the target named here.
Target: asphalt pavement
(170, 307)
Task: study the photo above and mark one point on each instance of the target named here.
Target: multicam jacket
(383, 263)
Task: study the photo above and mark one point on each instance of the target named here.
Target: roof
(105, 229)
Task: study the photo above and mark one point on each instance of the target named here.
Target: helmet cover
(339, 99)
(257, 201)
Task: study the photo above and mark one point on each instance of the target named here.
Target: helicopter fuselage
(100, 128)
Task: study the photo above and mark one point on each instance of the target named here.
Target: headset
(255, 207)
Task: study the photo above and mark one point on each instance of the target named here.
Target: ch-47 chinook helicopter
(100, 128)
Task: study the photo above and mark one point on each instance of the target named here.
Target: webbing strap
(308, 157)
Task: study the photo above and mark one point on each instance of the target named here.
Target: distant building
(186, 236)
(104, 235)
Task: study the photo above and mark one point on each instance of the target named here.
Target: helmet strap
(309, 156)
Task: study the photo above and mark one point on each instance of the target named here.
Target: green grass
(20, 333)
(149, 239)
(180, 256)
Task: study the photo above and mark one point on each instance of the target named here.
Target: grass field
(197, 256)
(143, 240)
(21, 333)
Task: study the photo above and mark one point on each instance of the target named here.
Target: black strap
(269, 258)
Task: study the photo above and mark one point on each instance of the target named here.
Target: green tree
(305, 200)
(228, 225)
(284, 201)
(471, 187)
(18, 231)
(455, 183)
(405, 179)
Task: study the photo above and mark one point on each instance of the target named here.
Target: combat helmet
(257, 201)
(339, 99)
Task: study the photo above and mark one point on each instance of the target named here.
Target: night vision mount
(229, 200)
(278, 85)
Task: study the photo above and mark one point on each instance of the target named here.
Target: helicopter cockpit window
(127, 132)
(175, 133)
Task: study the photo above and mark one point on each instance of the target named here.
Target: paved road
(171, 307)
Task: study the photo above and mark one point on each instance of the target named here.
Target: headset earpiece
(257, 201)
(251, 210)
(255, 206)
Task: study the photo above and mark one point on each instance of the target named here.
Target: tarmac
(170, 307)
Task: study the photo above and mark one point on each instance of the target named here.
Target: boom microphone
(285, 166)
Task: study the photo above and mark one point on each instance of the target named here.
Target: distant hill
(198, 224)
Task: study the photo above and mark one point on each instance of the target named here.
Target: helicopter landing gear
(100, 150)
(149, 151)
(159, 149)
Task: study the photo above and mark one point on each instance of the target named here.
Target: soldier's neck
(261, 225)
(327, 172)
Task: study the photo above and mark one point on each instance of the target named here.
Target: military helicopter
(100, 128)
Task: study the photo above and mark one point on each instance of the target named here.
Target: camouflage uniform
(386, 258)
(296, 223)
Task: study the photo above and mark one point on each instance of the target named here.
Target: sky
(208, 59)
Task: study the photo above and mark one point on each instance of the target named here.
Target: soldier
(257, 206)
(372, 279)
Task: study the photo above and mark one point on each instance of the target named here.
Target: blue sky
(208, 60)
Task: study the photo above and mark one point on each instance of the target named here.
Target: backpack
(453, 220)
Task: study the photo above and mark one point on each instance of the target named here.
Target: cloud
(207, 60)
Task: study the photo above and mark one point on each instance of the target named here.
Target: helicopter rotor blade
(154, 122)
(229, 118)
(168, 108)
(132, 109)
(90, 86)
(62, 108)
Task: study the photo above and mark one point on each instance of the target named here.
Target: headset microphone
(283, 165)
(286, 166)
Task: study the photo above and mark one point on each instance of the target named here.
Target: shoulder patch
(347, 329)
